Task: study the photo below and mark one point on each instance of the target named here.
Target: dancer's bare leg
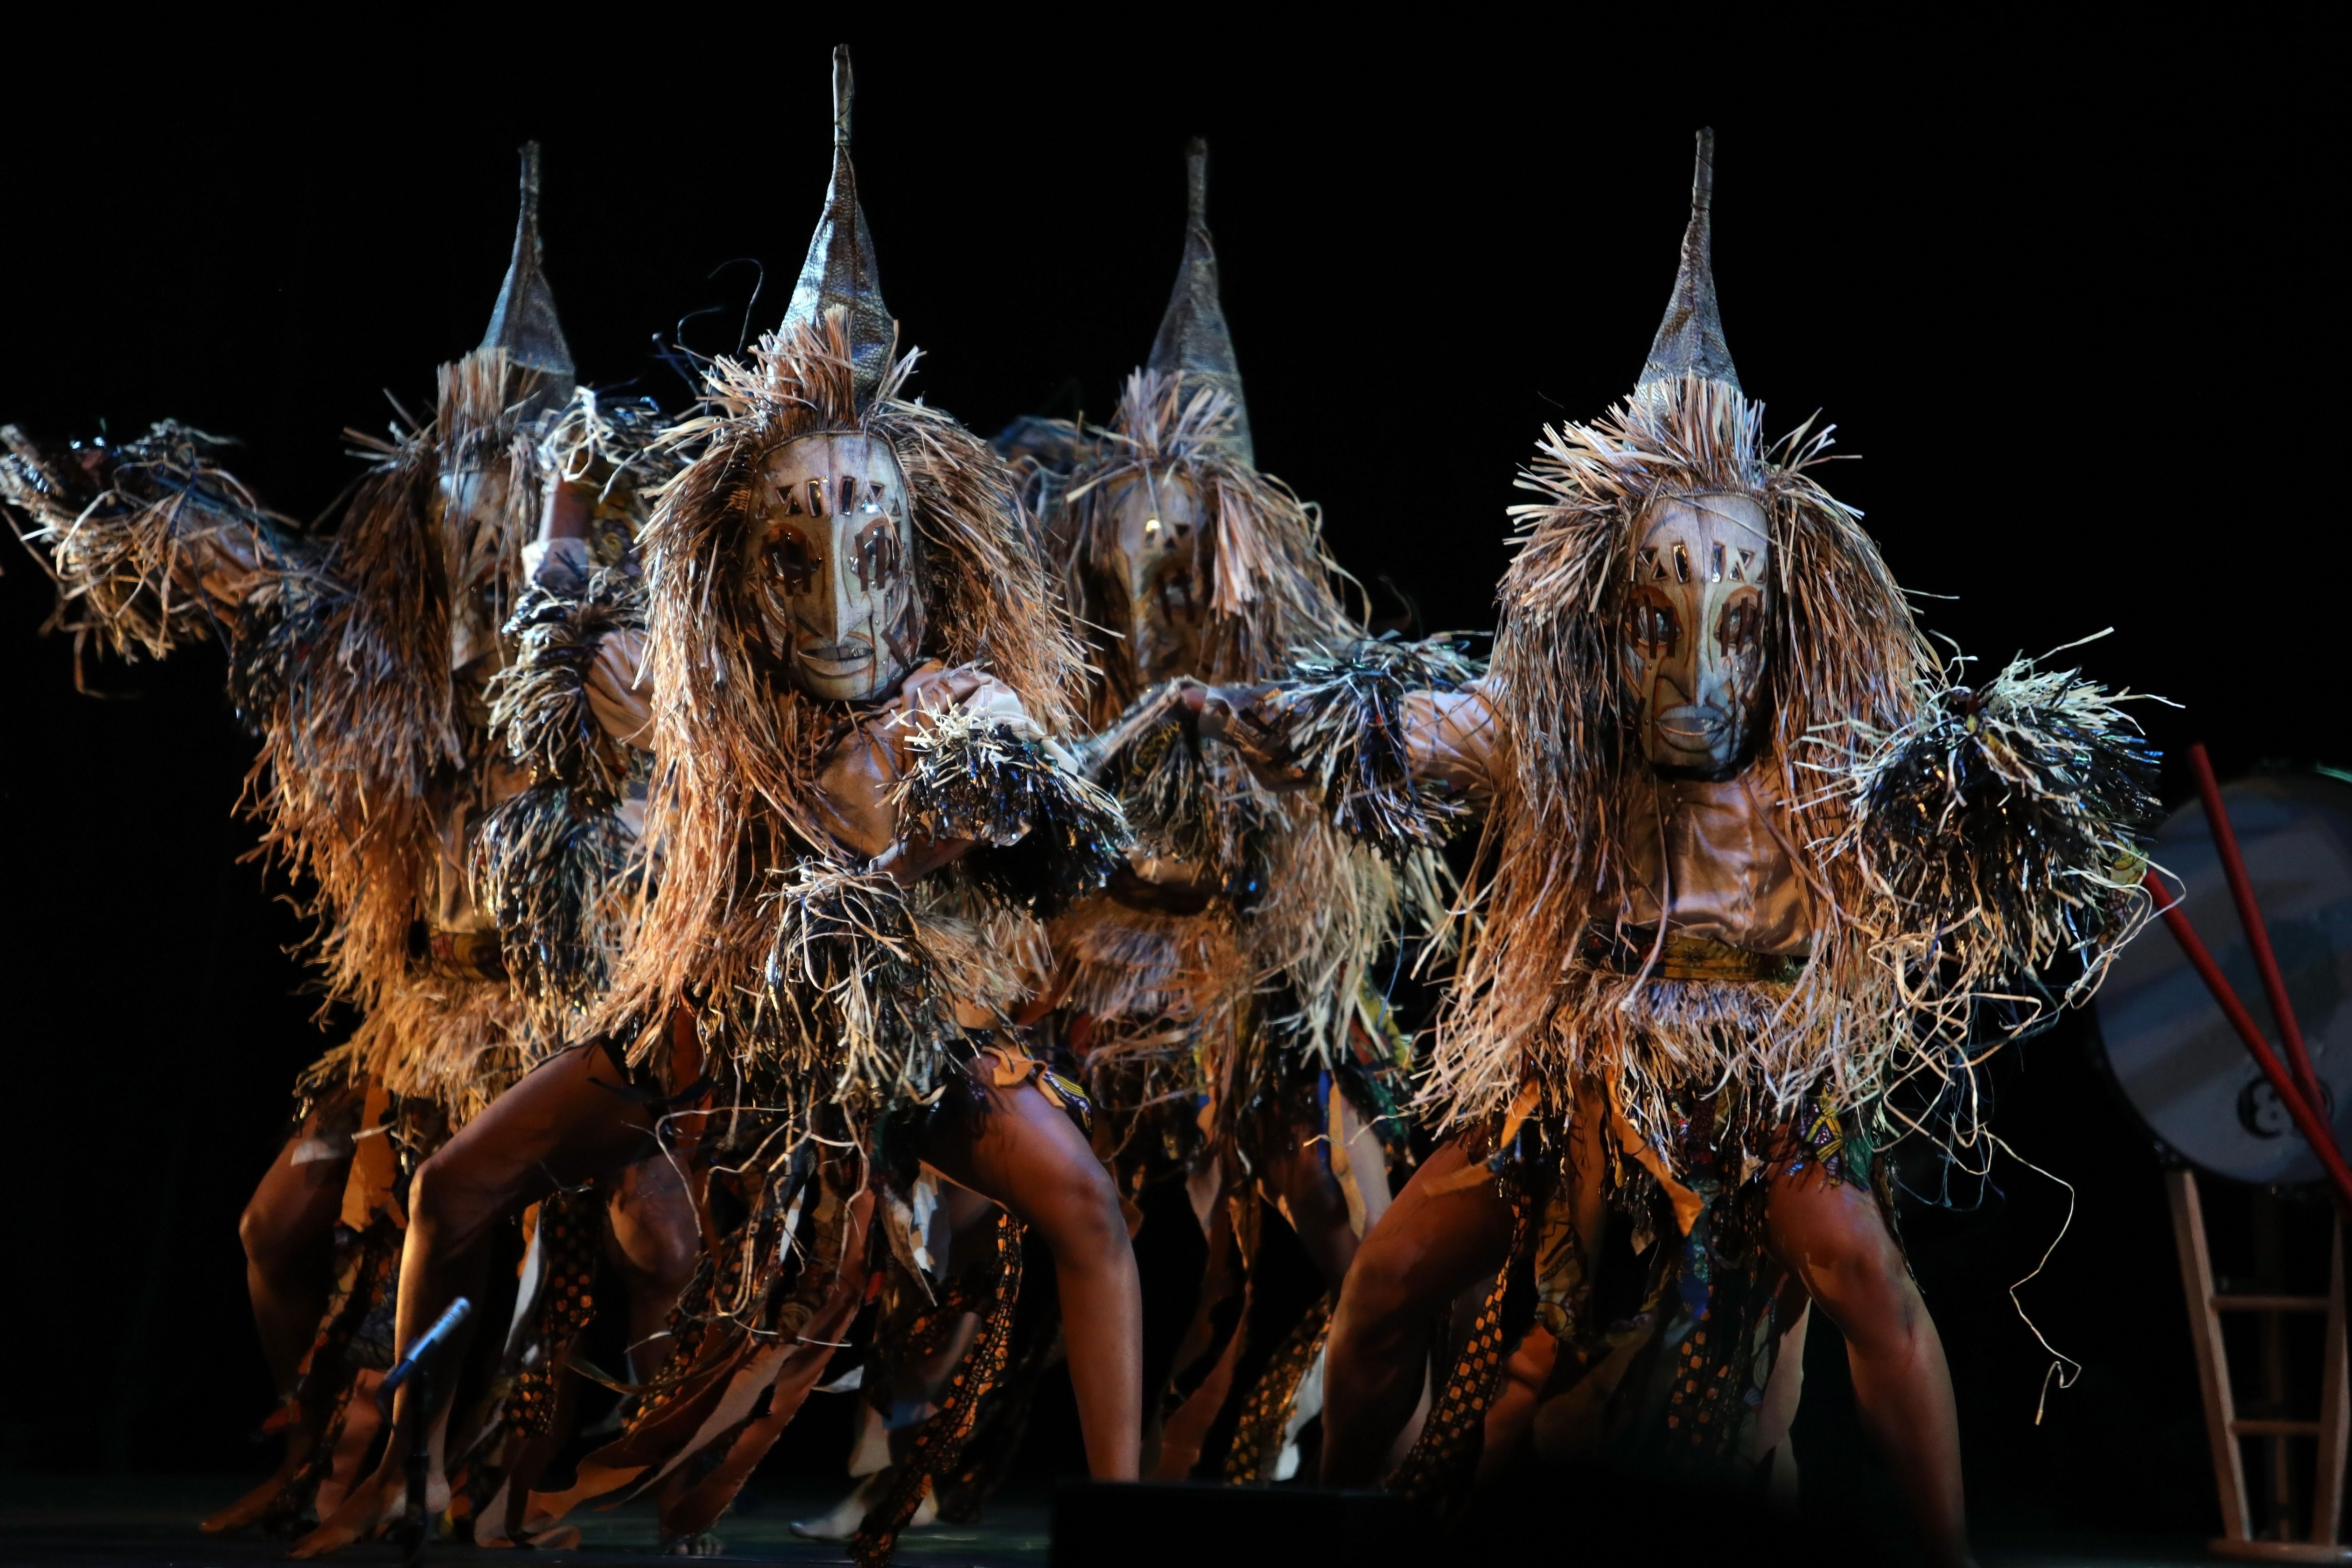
(1832, 1236)
(656, 1245)
(288, 1232)
(558, 1127)
(1021, 1151)
(289, 1229)
(1427, 1249)
(1299, 1180)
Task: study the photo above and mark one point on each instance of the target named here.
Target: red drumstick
(2305, 1114)
(2258, 936)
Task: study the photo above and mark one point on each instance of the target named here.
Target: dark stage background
(2067, 296)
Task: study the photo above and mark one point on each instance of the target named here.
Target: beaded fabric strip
(330, 1372)
(939, 1441)
(1266, 1415)
(572, 1240)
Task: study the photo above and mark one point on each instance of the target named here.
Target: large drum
(2174, 1056)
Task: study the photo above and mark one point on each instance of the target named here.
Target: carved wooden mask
(1693, 647)
(830, 562)
(1160, 525)
(470, 507)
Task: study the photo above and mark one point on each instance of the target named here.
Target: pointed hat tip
(1690, 338)
(1194, 341)
(839, 269)
(523, 322)
(844, 88)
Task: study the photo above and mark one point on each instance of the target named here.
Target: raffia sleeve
(154, 544)
(1380, 730)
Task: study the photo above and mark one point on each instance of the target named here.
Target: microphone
(418, 1363)
(423, 1350)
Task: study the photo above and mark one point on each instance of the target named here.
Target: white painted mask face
(1159, 523)
(1693, 646)
(469, 508)
(830, 562)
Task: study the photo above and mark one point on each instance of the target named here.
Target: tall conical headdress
(524, 323)
(1192, 336)
(1690, 339)
(840, 266)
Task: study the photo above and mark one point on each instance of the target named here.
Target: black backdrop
(2066, 294)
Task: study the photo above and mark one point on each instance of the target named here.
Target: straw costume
(364, 662)
(1759, 885)
(857, 819)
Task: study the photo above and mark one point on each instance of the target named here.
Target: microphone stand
(419, 1365)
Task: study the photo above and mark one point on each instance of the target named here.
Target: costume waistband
(1625, 950)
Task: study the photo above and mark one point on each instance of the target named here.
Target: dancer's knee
(653, 1228)
(1848, 1263)
(1078, 1210)
(450, 1204)
(265, 1236)
(1384, 1297)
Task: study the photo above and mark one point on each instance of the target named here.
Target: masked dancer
(858, 817)
(364, 663)
(1760, 883)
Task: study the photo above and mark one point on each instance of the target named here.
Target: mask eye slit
(878, 556)
(1742, 626)
(848, 494)
(1715, 563)
(1681, 565)
(796, 560)
(1655, 630)
(816, 498)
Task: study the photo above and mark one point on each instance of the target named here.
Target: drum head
(2174, 1056)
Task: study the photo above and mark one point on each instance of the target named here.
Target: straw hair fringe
(1330, 904)
(339, 662)
(1271, 591)
(363, 729)
(1143, 964)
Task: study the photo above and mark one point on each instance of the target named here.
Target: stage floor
(146, 1522)
(77, 1522)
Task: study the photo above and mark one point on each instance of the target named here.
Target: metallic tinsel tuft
(1343, 724)
(2008, 821)
(1046, 835)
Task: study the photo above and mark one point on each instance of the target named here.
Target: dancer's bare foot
(253, 1506)
(372, 1504)
(850, 1513)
